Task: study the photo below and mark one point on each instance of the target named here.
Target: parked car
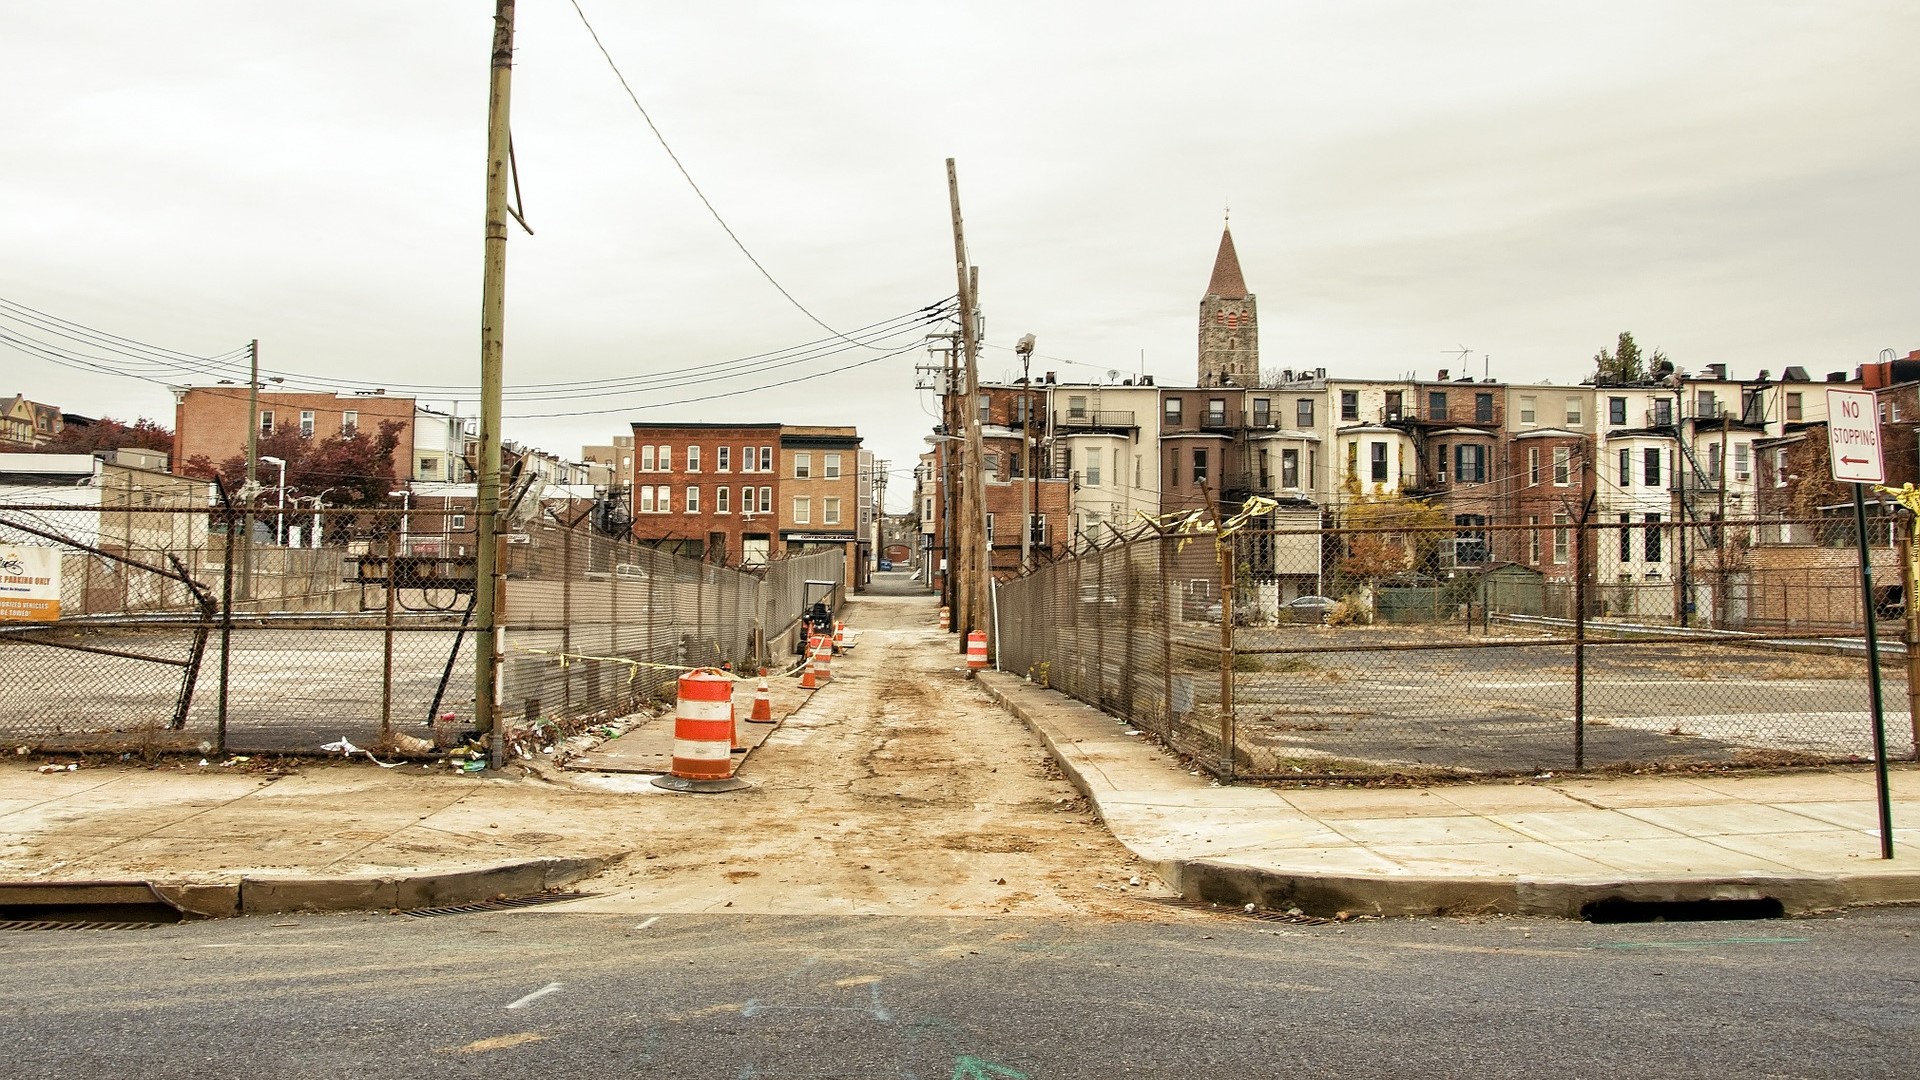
(1309, 609)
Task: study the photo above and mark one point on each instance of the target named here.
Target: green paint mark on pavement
(967, 1067)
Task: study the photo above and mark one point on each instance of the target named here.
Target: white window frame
(693, 458)
(766, 500)
(646, 459)
(349, 421)
(803, 510)
(723, 459)
(766, 459)
(830, 510)
(723, 500)
(691, 504)
(306, 422)
(666, 459)
(746, 459)
(803, 465)
(830, 466)
(646, 500)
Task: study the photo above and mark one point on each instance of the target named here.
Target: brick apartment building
(819, 500)
(212, 421)
(708, 490)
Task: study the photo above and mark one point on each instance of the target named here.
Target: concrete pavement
(1808, 840)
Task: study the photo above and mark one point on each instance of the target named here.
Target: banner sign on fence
(29, 584)
(1853, 437)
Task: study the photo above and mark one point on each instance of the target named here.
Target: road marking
(648, 923)
(500, 1042)
(269, 945)
(535, 996)
(1703, 944)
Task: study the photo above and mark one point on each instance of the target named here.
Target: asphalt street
(542, 993)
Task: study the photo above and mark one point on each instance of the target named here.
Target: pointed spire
(1226, 280)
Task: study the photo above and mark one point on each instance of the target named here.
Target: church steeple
(1229, 328)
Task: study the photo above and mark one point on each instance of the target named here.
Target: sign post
(1853, 452)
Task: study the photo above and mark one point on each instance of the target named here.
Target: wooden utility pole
(493, 304)
(251, 488)
(972, 524)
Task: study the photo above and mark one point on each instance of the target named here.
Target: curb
(287, 895)
(1327, 895)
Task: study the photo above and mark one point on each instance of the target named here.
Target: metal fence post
(1223, 553)
(566, 619)
(226, 623)
(1581, 535)
(386, 651)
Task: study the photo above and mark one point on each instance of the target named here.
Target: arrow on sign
(966, 1067)
(1854, 460)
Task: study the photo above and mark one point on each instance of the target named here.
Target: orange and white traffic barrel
(823, 660)
(946, 618)
(976, 651)
(703, 727)
(762, 702)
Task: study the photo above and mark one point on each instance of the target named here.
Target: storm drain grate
(1225, 909)
(61, 924)
(505, 903)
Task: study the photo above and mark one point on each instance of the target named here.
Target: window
(1470, 538)
(693, 500)
(646, 459)
(1440, 463)
(1652, 547)
(1529, 407)
(766, 464)
(1262, 412)
(1077, 407)
(1217, 411)
(1562, 466)
(1303, 413)
(746, 459)
(457, 522)
(1533, 540)
(1483, 409)
(926, 509)
(1037, 529)
(666, 459)
(349, 421)
(1289, 468)
(1353, 462)
(1706, 405)
(1199, 466)
(1626, 539)
(1662, 412)
(989, 529)
(802, 510)
(1533, 467)
(1173, 465)
(1742, 461)
(1091, 476)
(1349, 404)
(1650, 466)
(723, 458)
(1750, 407)
(830, 510)
(722, 503)
(1793, 406)
(766, 500)
(1715, 460)
(802, 465)
(1395, 405)
(1573, 412)
(1173, 412)
(306, 422)
(1626, 467)
(1617, 411)
(985, 405)
(1560, 544)
(1378, 451)
(266, 421)
(1263, 470)
(1470, 463)
(746, 500)
(831, 466)
(646, 500)
(693, 459)
(1437, 405)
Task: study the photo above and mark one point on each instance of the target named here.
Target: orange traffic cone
(762, 703)
(807, 681)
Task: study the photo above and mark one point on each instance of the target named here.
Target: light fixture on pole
(406, 513)
(1024, 349)
(280, 509)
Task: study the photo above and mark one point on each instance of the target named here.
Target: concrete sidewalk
(331, 835)
(1809, 840)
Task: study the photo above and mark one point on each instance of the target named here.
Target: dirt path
(897, 789)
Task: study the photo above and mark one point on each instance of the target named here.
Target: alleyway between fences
(898, 788)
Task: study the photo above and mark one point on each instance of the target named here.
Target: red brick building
(211, 421)
(708, 491)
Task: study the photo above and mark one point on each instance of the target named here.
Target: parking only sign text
(1853, 437)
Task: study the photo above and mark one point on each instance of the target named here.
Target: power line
(704, 201)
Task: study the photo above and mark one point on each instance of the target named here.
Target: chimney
(1443, 374)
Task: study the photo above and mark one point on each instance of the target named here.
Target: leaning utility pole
(493, 303)
(972, 526)
(250, 489)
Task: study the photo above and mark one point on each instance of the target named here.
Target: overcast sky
(1733, 181)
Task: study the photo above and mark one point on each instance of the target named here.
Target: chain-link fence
(1480, 650)
(185, 630)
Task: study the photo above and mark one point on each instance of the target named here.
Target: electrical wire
(704, 201)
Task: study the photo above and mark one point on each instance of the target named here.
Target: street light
(280, 511)
(406, 511)
(1024, 349)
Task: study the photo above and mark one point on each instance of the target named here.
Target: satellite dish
(1113, 375)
